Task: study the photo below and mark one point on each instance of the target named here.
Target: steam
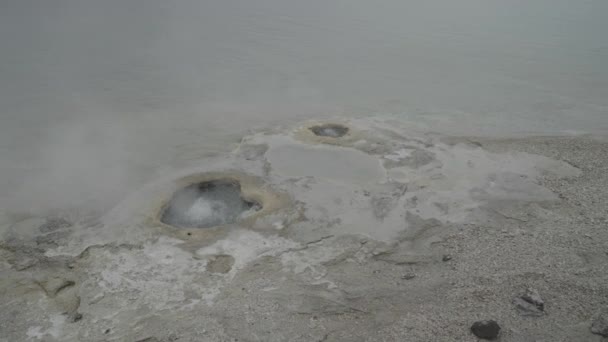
(99, 97)
(79, 165)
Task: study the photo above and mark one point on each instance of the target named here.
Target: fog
(99, 97)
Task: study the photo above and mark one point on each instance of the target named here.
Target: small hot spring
(208, 204)
(329, 130)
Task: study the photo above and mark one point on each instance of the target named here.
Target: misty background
(99, 97)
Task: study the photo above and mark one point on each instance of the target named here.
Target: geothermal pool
(267, 170)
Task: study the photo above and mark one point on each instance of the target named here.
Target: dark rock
(487, 330)
(408, 276)
(530, 304)
(600, 325)
(446, 257)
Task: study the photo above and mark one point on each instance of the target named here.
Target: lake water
(98, 97)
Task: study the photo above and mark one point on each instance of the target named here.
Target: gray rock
(408, 276)
(533, 297)
(600, 325)
(530, 304)
(526, 309)
(487, 330)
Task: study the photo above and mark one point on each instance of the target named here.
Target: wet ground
(379, 233)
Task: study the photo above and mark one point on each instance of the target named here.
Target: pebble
(533, 297)
(408, 276)
(530, 303)
(487, 330)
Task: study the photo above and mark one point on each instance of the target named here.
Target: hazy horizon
(117, 90)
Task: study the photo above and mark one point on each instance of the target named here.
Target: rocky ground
(377, 234)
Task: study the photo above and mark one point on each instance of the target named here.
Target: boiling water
(207, 205)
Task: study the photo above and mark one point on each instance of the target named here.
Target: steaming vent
(208, 204)
(329, 130)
